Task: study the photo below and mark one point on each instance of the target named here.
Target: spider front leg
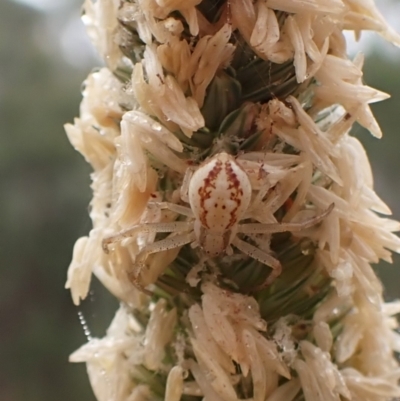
(258, 228)
(185, 236)
(173, 227)
(171, 242)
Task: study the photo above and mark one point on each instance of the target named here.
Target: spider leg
(133, 276)
(261, 256)
(173, 227)
(184, 192)
(158, 246)
(258, 228)
(183, 210)
(165, 244)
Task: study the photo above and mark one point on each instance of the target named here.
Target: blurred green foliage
(44, 197)
(383, 73)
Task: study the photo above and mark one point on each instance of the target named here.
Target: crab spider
(219, 194)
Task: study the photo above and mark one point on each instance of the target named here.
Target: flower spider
(219, 193)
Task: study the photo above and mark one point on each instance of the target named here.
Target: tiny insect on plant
(219, 193)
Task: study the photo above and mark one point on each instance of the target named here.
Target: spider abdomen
(219, 195)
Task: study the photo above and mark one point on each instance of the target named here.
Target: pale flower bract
(234, 214)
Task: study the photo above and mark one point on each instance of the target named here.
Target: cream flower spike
(234, 214)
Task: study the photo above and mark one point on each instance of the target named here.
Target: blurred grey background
(44, 57)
